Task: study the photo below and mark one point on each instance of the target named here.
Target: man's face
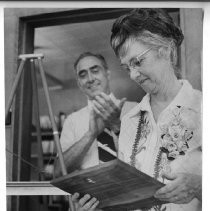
(92, 77)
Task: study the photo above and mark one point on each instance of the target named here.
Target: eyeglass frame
(127, 67)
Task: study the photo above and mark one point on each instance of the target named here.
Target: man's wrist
(116, 128)
(117, 133)
(90, 135)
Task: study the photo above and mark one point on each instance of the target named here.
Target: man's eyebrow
(91, 68)
(94, 66)
(81, 71)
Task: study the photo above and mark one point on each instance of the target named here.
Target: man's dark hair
(86, 54)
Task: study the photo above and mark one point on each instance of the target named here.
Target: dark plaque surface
(117, 185)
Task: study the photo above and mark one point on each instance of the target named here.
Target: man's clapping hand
(108, 110)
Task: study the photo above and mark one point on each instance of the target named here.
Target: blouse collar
(183, 98)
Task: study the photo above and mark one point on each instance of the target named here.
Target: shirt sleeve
(68, 137)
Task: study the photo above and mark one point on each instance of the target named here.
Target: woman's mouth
(140, 82)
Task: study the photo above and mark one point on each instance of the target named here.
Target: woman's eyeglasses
(135, 62)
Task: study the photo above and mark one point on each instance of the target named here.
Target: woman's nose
(134, 73)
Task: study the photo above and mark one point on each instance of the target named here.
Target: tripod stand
(32, 58)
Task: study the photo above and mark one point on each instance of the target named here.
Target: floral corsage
(176, 134)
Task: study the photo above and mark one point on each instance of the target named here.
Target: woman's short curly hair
(138, 21)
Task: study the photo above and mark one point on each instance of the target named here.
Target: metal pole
(36, 115)
(23, 58)
(38, 128)
(14, 87)
(54, 127)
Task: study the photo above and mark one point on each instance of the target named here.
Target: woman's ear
(164, 52)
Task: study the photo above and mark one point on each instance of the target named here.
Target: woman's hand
(182, 188)
(86, 203)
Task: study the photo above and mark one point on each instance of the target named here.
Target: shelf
(47, 133)
(33, 188)
(44, 135)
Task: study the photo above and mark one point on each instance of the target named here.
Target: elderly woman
(161, 136)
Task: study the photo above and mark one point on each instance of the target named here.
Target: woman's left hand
(182, 188)
(86, 203)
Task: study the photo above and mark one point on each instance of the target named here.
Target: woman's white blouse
(180, 121)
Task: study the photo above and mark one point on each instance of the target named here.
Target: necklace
(137, 139)
(135, 152)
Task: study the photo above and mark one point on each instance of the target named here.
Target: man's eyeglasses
(135, 62)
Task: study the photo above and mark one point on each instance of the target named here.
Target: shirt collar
(183, 98)
(144, 105)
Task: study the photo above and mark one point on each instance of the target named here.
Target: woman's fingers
(86, 203)
(180, 190)
(75, 197)
(94, 205)
(169, 176)
(84, 199)
(168, 187)
(91, 204)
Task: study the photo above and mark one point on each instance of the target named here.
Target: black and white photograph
(104, 107)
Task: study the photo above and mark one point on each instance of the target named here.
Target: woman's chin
(141, 84)
(147, 89)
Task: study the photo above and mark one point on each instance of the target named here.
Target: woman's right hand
(86, 203)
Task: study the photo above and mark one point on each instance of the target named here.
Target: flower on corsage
(176, 133)
(171, 146)
(166, 138)
(173, 154)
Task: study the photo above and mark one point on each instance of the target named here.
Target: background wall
(191, 22)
